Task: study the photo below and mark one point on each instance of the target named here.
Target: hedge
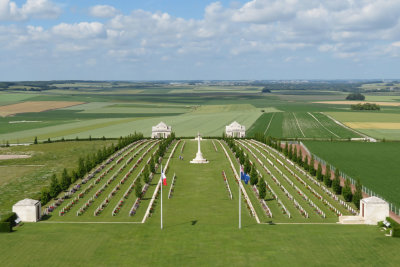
(9, 217)
(5, 227)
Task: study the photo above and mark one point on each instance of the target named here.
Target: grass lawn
(200, 228)
(375, 164)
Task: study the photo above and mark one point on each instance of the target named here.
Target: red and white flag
(164, 178)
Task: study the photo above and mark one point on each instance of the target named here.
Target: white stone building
(373, 210)
(235, 130)
(161, 130)
(28, 210)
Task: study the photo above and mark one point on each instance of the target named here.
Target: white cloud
(103, 11)
(81, 30)
(41, 9)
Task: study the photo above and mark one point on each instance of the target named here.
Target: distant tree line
(365, 106)
(355, 96)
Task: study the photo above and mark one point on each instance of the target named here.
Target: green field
(375, 164)
(200, 228)
(299, 125)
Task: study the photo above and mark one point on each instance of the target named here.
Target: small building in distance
(235, 130)
(161, 130)
(373, 210)
(28, 210)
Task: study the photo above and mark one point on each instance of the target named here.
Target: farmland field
(375, 164)
(300, 125)
(34, 106)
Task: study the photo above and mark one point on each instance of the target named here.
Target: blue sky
(177, 39)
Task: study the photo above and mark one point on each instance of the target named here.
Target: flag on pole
(244, 176)
(164, 178)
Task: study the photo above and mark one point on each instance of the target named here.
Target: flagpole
(240, 214)
(161, 195)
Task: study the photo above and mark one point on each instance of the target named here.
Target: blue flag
(244, 176)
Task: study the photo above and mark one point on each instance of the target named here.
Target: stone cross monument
(199, 156)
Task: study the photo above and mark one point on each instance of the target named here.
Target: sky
(199, 40)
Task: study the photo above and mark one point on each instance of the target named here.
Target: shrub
(327, 177)
(395, 227)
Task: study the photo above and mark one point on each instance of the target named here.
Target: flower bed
(171, 188)
(243, 190)
(227, 184)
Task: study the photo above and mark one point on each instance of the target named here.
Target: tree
(44, 195)
(290, 152)
(242, 158)
(152, 165)
(261, 188)
(65, 180)
(357, 194)
(346, 191)
(320, 177)
(55, 188)
(253, 176)
(74, 176)
(305, 164)
(312, 167)
(265, 90)
(146, 177)
(327, 177)
(285, 149)
(355, 96)
(336, 183)
(300, 158)
(138, 188)
(81, 167)
(35, 141)
(247, 165)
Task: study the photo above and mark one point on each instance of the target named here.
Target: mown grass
(375, 164)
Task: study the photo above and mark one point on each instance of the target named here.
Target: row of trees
(150, 168)
(365, 106)
(308, 163)
(85, 164)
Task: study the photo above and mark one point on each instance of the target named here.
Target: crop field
(22, 178)
(375, 164)
(200, 218)
(33, 106)
(377, 125)
(299, 125)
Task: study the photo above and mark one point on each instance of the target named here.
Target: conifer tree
(336, 183)
(285, 149)
(346, 191)
(327, 176)
(44, 195)
(320, 177)
(357, 194)
(300, 158)
(290, 152)
(146, 177)
(54, 187)
(81, 167)
(138, 188)
(312, 167)
(65, 180)
(295, 154)
(253, 176)
(36, 142)
(152, 166)
(247, 165)
(305, 164)
(261, 188)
